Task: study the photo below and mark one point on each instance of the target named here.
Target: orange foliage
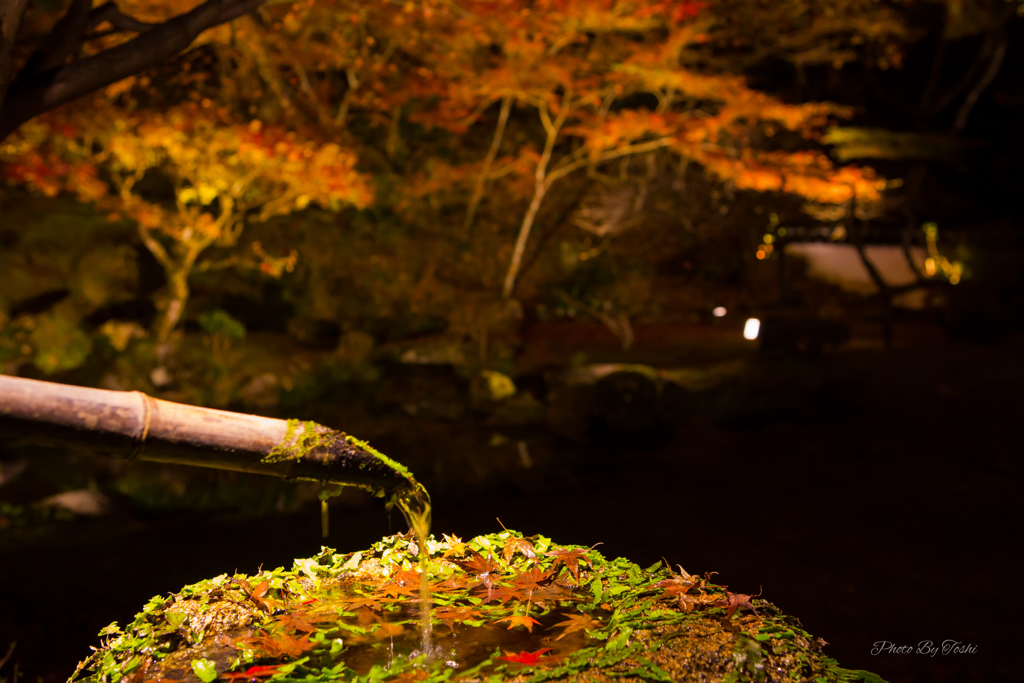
(581, 65)
(536, 52)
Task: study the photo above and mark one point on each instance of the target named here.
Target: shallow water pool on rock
(502, 607)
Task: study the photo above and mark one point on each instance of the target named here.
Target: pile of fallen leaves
(503, 607)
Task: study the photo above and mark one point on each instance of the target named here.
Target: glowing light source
(718, 311)
(751, 328)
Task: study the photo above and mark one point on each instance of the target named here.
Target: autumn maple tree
(607, 80)
(273, 110)
(222, 174)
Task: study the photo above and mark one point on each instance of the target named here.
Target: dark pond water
(877, 499)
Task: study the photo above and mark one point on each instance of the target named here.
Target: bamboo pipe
(131, 425)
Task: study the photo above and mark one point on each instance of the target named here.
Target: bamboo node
(147, 403)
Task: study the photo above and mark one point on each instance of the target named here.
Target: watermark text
(928, 648)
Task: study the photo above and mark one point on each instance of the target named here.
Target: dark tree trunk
(31, 94)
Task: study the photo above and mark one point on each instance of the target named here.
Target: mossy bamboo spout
(132, 425)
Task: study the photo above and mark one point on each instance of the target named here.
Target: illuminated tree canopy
(444, 113)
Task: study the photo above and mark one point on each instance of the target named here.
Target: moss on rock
(505, 608)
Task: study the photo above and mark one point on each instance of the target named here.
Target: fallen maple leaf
(480, 567)
(577, 622)
(526, 658)
(677, 587)
(500, 594)
(571, 557)
(406, 577)
(455, 545)
(277, 644)
(394, 590)
(552, 591)
(514, 545)
(735, 601)
(255, 595)
(451, 615)
(370, 603)
(303, 620)
(452, 583)
(520, 620)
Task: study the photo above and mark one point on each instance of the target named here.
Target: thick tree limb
(41, 92)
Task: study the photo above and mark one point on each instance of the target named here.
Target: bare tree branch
(933, 75)
(972, 97)
(987, 48)
(122, 22)
(884, 291)
(540, 189)
(908, 231)
(37, 93)
(492, 153)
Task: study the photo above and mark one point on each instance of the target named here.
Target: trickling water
(416, 508)
(325, 518)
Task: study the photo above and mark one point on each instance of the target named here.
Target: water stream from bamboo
(415, 506)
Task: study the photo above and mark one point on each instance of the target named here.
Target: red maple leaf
(253, 672)
(526, 658)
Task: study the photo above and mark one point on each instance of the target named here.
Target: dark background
(870, 493)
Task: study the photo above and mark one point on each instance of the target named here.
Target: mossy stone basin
(504, 607)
